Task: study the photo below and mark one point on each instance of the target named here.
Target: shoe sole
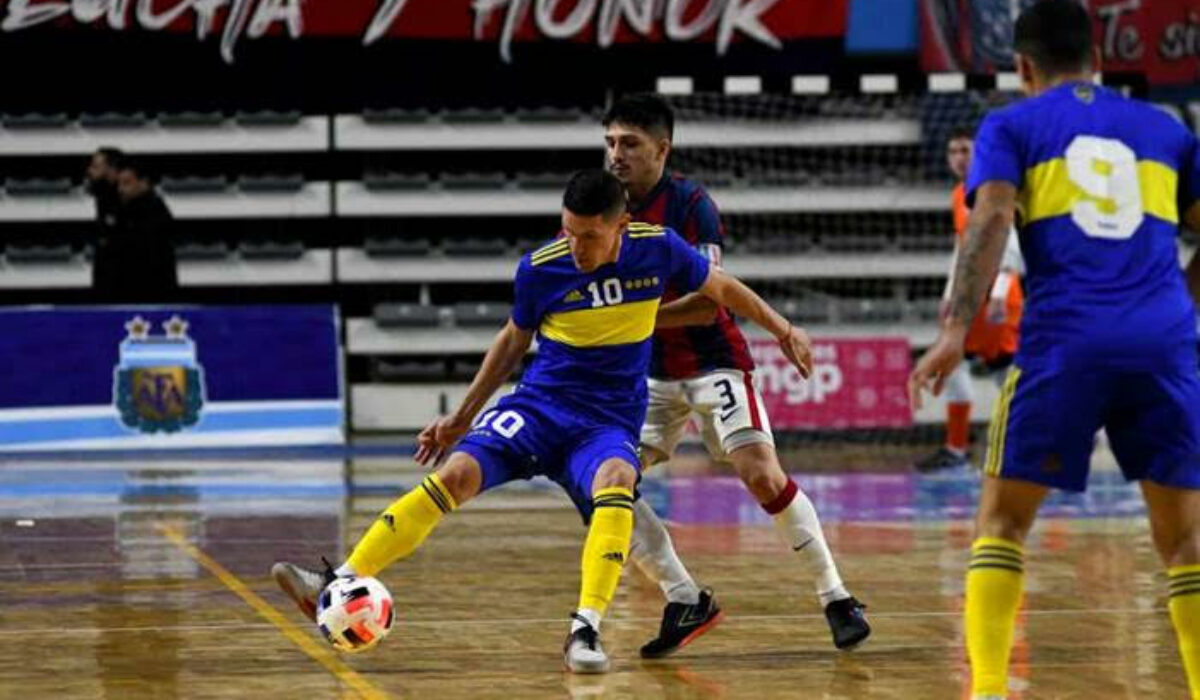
(283, 578)
(587, 671)
(857, 644)
(695, 634)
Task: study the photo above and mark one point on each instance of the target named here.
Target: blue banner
(130, 377)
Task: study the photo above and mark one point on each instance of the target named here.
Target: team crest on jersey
(574, 296)
(158, 384)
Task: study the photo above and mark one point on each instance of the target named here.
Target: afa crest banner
(164, 377)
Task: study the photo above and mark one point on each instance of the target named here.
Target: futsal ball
(354, 613)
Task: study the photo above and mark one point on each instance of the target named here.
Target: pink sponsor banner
(857, 383)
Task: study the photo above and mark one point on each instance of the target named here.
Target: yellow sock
(402, 527)
(607, 547)
(994, 581)
(1184, 605)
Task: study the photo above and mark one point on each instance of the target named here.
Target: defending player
(992, 340)
(591, 297)
(1109, 336)
(701, 365)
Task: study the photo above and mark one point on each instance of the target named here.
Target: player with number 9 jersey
(1109, 333)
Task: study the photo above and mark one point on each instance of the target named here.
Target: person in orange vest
(992, 340)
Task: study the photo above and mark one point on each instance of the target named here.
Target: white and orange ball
(355, 613)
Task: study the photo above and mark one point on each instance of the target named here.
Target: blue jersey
(594, 328)
(1101, 182)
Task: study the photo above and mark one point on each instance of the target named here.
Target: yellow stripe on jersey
(998, 430)
(643, 226)
(648, 234)
(550, 252)
(607, 325)
(550, 248)
(1049, 191)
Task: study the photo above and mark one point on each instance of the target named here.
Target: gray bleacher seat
(541, 181)
(473, 181)
(268, 117)
(718, 179)
(473, 115)
(864, 176)
(38, 187)
(197, 250)
(271, 250)
(28, 253)
(406, 370)
(925, 309)
(870, 310)
(190, 119)
(276, 182)
(403, 315)
(35, 120)
(193, 183)
(481, 313)
(392, 247)
(856, 243)
(549, 115)
(464, 368)
(379, 181)
(926, 243)
(779, 178)
(810, 311)
(394, 115)
(475, 247)
(775, 244)
(113, 120)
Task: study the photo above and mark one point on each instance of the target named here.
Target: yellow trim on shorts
(998, 430)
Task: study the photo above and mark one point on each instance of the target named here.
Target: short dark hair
(115, 157)
(961, 131)
(646, 111)
(594, 192)
(1056, 35)
(138, 168)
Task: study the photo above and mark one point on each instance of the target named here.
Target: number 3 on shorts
(505, 424)
(726, 394)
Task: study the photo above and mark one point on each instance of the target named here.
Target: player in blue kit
(591, 296)
(1098, 184)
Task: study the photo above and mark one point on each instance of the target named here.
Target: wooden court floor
(150, 581)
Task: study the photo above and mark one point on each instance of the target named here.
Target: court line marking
(612, 621)
(321, 655)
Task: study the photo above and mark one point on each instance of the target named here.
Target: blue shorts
(526, 434)
(1046, 420)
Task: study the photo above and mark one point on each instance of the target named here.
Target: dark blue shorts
(1045, 423)
(527, 434)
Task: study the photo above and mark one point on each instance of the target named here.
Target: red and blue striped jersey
(680, 353)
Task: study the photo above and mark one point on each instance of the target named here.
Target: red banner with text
(501, 22)
(1159, 38)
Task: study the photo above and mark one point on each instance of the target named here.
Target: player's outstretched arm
(501, 360)
(983, 248)
(692, 309)
(728, 291)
